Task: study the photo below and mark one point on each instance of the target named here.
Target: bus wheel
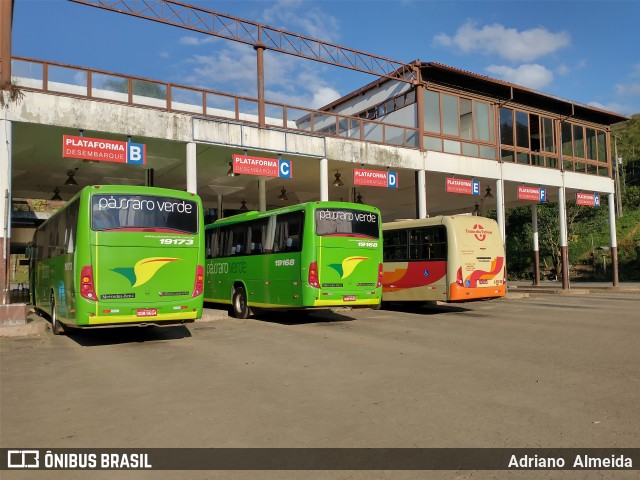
(56, 326)
(239, 303)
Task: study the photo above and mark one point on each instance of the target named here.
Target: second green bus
(311, 255)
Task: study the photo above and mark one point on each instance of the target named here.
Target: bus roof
(437, 220)
(125, 189)
(243, 217)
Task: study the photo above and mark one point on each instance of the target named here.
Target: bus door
(285, 264)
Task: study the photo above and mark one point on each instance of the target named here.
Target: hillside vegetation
(588, 227)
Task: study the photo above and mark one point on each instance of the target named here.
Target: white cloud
(508, 43)
(232, 67)
(288, 79)
(530, 75)
(616, 107)
(628, 88)
(196, 41)
(563, 70)
(300, 17)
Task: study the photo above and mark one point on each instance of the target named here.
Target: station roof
(501, 91)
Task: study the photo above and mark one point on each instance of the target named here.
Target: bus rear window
(143, 213)
(349, 222)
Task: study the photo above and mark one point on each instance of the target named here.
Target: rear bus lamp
(198, 286)
(380, 272)
(87, 289)
(459, 276)
(314, 281)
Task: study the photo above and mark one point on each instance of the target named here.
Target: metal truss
(259, 36)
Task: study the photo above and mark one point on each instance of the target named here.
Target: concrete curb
(34, 326)
(555, 291)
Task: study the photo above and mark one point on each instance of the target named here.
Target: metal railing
(80, 82)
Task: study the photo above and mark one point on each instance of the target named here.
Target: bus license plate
(349, 298)
(146, 312)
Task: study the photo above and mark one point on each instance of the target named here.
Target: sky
(583, 51)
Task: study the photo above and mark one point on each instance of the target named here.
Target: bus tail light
(380, 270)
(459, 276)
(87, 289)
(314, 281)
(198, 286)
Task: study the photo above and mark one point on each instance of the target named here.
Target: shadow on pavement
(302, 317)
(121, 335)
(422, 308)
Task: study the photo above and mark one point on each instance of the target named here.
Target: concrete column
(612, 234)
(564, 242)
(262, 195)
(5, 208)
(220, 215)
(324, 179)
(192, 171)
(421, 186)
(500, 211)
(536, 245)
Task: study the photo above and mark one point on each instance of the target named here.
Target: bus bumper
(458, 293)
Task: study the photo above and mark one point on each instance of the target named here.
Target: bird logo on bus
(143, 270)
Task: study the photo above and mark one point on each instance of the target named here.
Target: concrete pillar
(421, 187)
(536, 245)
(612, 234)
(564, 242)
(262, 195)
(220, 215)
(5, 208)
(500, 211)
(192, 172)
(324, 179)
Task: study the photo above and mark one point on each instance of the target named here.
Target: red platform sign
(264, 167)
(462, 185)
(102, 150)
(588, 199)
(375, 178)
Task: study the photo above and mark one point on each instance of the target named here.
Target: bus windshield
(347, 222)
(143, 213)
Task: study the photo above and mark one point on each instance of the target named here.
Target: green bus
(315, 254)
(120, 255)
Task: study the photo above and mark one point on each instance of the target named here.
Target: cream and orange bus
(451, 258)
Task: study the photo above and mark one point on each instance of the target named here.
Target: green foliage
(587, 227)
(589, 242)
(140, 87)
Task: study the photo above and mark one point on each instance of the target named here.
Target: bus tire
(239, 303)
(56, 326)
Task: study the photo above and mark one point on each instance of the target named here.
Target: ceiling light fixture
(243, 205)
(337, 182)
(70, 180)
(359, 198)
(488, 194)
(231, 173)
(283, 195)
(56, 194)
(476, 210)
